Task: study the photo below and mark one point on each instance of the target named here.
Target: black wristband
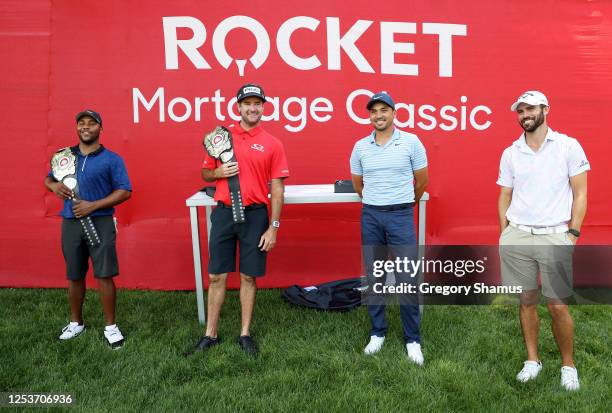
(574, 232)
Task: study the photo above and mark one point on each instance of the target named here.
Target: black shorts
(224, 234)
(77, 251)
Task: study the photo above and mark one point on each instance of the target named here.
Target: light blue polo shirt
(387, 170)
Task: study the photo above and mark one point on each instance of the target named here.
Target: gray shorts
(524, 255)
(77, 251)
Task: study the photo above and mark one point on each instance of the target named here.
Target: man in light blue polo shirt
(389, 172)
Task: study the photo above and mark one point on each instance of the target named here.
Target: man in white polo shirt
(542, 203)
(389, 172)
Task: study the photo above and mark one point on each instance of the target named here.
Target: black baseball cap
(250, 89)
(92, 114)
(382, 97)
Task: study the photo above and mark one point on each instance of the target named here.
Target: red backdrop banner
(164, 74)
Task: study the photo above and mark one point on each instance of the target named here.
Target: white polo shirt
(541, 191)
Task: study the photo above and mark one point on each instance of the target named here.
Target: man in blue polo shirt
(389, 172)
(103, 183)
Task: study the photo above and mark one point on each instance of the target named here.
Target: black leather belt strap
(234, 188)
(248, 207)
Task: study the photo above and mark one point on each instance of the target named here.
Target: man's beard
(539, 119)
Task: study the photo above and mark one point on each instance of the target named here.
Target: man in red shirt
(260, 160)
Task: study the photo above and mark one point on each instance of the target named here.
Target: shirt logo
(257, 147)
(584, 162)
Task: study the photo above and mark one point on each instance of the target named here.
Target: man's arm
(224, 171)
(357, 184)
(82, 208)
(277, 199)
(579, 205)
(58, 188)
(421, 179)
(503, 203)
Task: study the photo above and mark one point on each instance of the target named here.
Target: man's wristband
(574, 232)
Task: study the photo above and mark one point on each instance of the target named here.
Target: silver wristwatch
(275, 224)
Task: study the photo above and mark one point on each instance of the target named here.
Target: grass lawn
(309, 360)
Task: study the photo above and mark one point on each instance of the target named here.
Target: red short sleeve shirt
(261, 158)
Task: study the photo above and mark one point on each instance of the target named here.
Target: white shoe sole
(116, 346)
(417, 362)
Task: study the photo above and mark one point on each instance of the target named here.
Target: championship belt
(63, 167)
(218, 144)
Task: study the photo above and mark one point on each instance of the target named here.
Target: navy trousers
(387, 235)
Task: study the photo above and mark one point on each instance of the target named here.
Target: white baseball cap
(531, 97)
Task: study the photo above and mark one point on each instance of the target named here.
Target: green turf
(310, 360)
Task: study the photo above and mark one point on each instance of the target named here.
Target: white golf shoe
(72, 330)
(374, 345)
(414, 353)
(530, 371)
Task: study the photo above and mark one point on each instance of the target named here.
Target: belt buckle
(538, 231)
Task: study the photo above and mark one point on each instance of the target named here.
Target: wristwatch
(275, 224)
(574, 232)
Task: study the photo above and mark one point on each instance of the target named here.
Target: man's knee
(529, 298)
(248, 280)
(106, 282)
(217, 279)
(558, 309)
(77, 283)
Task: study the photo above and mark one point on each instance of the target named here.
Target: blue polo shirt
(98, 175)
(387, 170)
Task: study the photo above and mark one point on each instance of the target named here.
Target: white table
(294, 194)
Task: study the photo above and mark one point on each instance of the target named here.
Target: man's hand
(357, 184)
(503, 227)
(82, 208)
(226, 170)
(572, 238)
(61, 190)
(268, 239)
(503, 203)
